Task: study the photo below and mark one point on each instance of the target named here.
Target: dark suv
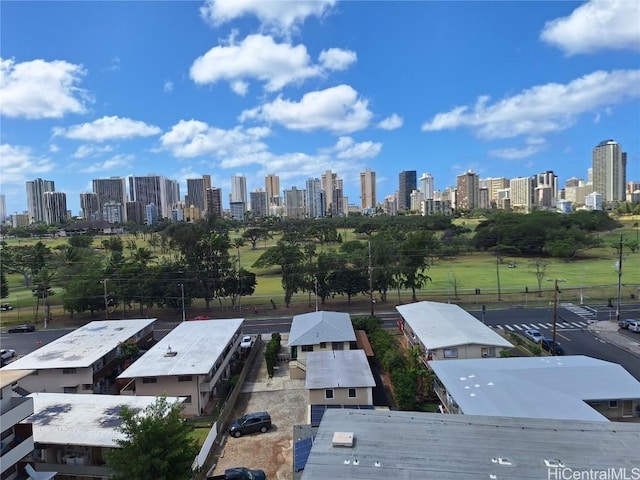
(547, 344)
(250, 423)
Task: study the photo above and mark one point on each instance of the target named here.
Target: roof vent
(553, 463)
(343, 439)
(170, 353)
(501, 461)
(377, 464)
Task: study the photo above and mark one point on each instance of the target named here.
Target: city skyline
(442, 91)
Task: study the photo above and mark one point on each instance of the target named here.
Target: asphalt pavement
(609, 331)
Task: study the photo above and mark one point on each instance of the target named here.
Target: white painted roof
(535, 387)
(441, 325)
(317, 327)
(197, 346)
(338, 369)
(81, 347)
(87, 420)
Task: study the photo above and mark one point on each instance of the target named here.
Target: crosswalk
(560, 325)
(587, 313)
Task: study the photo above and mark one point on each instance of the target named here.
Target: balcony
(15, 450)
(75, 469)
(19, 409)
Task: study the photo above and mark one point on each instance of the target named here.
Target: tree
(156, 446)
(4, 286)
(291, 260)
(540, 267)
(254, 235)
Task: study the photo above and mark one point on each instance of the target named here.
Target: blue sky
(223, 87)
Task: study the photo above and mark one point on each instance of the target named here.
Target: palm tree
(42, 282)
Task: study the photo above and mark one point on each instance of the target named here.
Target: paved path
(607, 330)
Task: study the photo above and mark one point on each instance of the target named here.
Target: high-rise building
(89, 205)
(417, 199)
(407, 184)
(521, 192)
(3, 208)
(272, 187)
(35, 202)
(468, 191)
(427, 186)
(113, 212)
(495, 185)
(54, 207)
(609, 165)
(151, 214)
(315, 198)
(368, 189)
(294, 203)
(195, 191)
(333, 194)
(214, 202)
(134, 213)
(112, 189)
(259, 203)
(163, 193)
(546, 189)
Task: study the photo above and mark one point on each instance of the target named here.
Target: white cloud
(16, 162)
(91, 150)
(542, 108)
(337, 58)
(40, 89)
(280, 16)
(53, 148)
(347, 148)
(108, 128)
(117, 161)
(392, 122)
(337, 109)
(240, 88)
(193, 138)
(257, 56)
(596, 25)
(168, 86)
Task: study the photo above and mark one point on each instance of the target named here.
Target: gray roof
(81, 347)
(338, 369)
(88, 420)
(535, 387)
(464, 447)
(441, 325)
(197, 346)
(316, 327)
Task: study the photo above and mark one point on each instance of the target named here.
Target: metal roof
(535, 387)
(197, 347)
(440, 325)
(338, 369)
(464, 447)
(81, 347)
(317, 327)
(87, 420)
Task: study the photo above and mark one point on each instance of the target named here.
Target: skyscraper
(3, 208)
(162, 192)
(521, 193)
(315, 198)
(368, 189)
(195, 192)
(214, 202)
(427, 186)
(54, 207)
(609, 165)
(259, 203)
(407, 184)
(110, 190)
(294, 203)
(468, 191)
(89, 205)
(333, 194)
(35, 202)
(272, 187)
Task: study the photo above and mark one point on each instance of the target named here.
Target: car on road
(7, 353)
(250, 423)
(246, 342)
(625, 323)
(533, 335)
(5, 307)
(240, 473)
(634, 326)
(548, 344)
(22, 328)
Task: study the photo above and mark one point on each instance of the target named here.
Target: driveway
(286, 401)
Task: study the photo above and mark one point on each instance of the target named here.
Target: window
(488, 352)
(185, 378)
(68, 370)
(70, 389)
(337, 345)
(328, 394)
(149, 380)
(307, 348)
(323, 344)
(87, 386)
(352, 393)
(450, 353)
(613, 404)
(187, 399)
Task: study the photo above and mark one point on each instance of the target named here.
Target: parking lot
(286, 401)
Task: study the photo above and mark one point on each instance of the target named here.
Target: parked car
(5, 307)
(533, 334)
(625, 323)
(22, 328)
(246, 342)
(634, 326)
(547, 344)
(240, 473)
(7, 353)
(250, 423)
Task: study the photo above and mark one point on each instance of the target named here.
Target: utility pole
(315, 283)
(555, 314)
(370, 280)
(182, 296)
(619, 279)
(106, 300)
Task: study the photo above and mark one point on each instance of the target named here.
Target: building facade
(368, 189)
(214, 202)
(427, 186)
(609, 165)
(113, 189)
(259, 203)
(35, 200)
(272, 187)
(468, 191)
(89, 206)
(315, 198)
(407, 183)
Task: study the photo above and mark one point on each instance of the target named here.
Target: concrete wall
(364, 396)
(328, 346)
(467, 351)
(618, 410)
(53, 381)
(170, 386)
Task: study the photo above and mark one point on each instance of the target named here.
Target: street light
(181, 285)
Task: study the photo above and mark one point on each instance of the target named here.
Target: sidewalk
(607, 330)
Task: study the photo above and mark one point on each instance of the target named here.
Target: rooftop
(440, 325)
(81, 347)
(464, 447)
(535, 387)
(87, 420)
(195, 347)
(338, 368)
(316, 327)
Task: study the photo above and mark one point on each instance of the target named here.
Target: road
(576, 340)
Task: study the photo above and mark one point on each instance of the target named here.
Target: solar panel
(301, 451)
